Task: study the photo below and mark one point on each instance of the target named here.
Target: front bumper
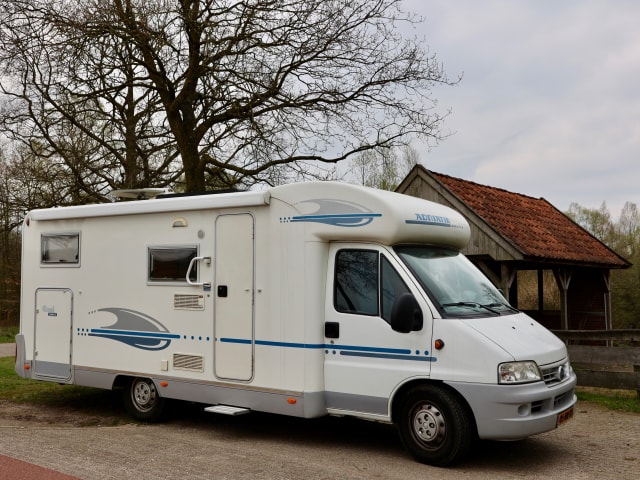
(512, 412)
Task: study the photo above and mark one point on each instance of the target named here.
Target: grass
(21, 390)
(8, 334)
(618, 400)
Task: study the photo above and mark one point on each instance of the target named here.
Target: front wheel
(434, 425)
(142, 400)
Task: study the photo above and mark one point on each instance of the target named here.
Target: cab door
(365, 359)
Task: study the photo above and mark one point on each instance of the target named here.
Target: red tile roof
(534, 226)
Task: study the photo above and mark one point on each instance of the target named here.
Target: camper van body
(241, 301)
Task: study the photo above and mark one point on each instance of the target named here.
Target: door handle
(207, 261)
(331, 329)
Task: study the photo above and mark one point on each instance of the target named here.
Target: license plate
(564, 417)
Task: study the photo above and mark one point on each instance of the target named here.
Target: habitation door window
(60, 249)
(170, 264)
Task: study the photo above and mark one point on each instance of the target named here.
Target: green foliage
(623, 237)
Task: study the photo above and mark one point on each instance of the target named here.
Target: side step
(227, 410)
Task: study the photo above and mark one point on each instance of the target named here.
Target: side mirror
(406, 315)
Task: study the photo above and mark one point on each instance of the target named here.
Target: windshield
(454, 284)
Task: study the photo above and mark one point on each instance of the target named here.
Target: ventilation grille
(188, 302)
(193, 363)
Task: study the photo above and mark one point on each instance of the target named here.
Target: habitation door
(234, 288)
(54, 308)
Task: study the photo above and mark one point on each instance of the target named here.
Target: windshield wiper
(505, 305)
(473, 305)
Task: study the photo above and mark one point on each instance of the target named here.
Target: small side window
(356, 282)
(170, 264)
(392, 287)
(60, 249)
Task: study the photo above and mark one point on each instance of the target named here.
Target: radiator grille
(188, 302)
(557, 373)
(193, 363)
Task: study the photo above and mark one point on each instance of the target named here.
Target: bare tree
(239, 91)
(383, 168)
(11, 215)
(76, 102)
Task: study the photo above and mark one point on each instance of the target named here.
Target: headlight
(518, 372)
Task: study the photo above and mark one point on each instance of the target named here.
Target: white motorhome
(305, 299)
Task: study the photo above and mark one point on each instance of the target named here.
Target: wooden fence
(610, 359)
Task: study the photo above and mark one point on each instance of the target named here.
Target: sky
(549, 101)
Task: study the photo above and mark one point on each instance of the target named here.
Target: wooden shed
(512, 233)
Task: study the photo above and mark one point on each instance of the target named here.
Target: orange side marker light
(291, 401)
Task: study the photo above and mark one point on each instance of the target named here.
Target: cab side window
(356, 282)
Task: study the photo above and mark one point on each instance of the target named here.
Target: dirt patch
(25, 414)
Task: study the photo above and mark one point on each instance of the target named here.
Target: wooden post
(563, 279)
(540, 290)
(508, 275)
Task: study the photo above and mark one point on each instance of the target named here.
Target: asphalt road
(596, 444)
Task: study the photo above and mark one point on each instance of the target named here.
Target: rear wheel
(435, 426)
(142, 400)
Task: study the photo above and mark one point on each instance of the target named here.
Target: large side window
(60, 249)
(356, 282)
(170, 264)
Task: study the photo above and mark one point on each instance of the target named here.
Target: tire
(142, 400)
(435, 426)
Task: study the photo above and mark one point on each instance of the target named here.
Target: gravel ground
(101, 444)
(7, 349)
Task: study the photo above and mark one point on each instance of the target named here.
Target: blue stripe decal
(390, 357)
(311, 346)
(336, 219)
(302, 218)
(348, 350)
(397, 351)
(243, 341)
(236, 340)
(130, 333)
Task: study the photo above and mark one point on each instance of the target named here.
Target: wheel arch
(402, 390)
(122, 381)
